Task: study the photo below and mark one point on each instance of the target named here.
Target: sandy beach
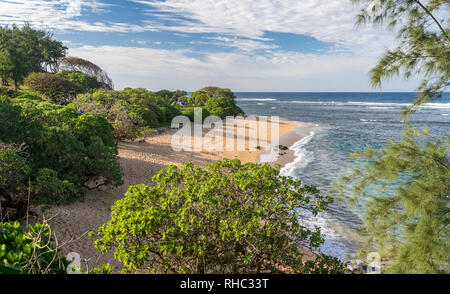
(140, 160)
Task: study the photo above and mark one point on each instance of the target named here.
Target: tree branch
(435, 20)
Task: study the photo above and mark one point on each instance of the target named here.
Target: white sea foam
(303, 157)
(331, 230)
(373, 105)
(333, 244)
(256, 99)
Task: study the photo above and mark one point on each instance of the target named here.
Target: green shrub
(48, 188)
(65, 149)
(190, 112)
(170, 112)
(9, 93)
(198, 98)
(57, 89)
(125, 130)
(139, 96)
(104, 269)
(29, 96)
(222, 218)
(83, 82)
(14, 170)
(223, 107)
(141, 116)
(14, 175)
(160, 116)
(29, 252)
(129, 111)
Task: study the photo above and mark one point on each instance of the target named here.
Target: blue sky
(245, 45)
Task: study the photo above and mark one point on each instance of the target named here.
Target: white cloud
(177, 69)
(61, 15)
(239, 24)
(325, 20)
(246, 45)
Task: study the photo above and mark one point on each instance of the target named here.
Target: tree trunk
(5, 82)
(16, 85)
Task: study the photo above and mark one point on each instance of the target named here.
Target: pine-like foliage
(408, 181)
(424, 43)
(409, 225)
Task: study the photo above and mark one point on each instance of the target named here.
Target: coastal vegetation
(223, 218)
(24, 50)
(29, 252)
(52, 152)
(409, 226)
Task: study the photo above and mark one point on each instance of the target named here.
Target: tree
(219, 92)
(76, 64)
(198, 98)
(408, 223)
(424, 48)
(223, 107)
(222, 218)
(24, 50)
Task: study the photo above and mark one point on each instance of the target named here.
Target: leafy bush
(57, 89)
(13, 170)
(65, 150)
(29, 96)
(29, 252)
(223, 218)
(170, 97)
(9, 93)
(170, 112)
(190, 112)
(18, 94)
(139, 96)
(218, 101)
(223, 107)
(83, 82)
(198, 98)
(104, 269)
(160, 116)
(47, 187)
(130, 111)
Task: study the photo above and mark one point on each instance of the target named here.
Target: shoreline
(140, 160)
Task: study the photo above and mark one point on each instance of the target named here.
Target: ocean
(341, 123)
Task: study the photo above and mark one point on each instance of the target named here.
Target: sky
(244, 45)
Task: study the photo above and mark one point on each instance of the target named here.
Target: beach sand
(140, 160)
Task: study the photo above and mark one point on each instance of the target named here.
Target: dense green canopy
(24, 50)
